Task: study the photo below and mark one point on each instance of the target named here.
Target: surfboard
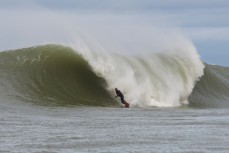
(127, 105)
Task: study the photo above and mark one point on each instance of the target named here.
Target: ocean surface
(55, 99)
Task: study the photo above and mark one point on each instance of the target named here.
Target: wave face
(58, 75)
(213, 88)
(51, 75)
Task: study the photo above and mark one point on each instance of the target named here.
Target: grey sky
(205, 22)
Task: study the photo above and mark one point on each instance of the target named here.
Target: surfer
(119, 94)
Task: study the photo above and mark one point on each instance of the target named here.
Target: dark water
(51, 75)
(70, 130)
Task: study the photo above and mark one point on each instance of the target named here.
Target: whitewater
(161, 79)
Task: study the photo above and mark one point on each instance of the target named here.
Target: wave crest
(163, 79)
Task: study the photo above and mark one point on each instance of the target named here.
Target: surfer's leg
(122, 100)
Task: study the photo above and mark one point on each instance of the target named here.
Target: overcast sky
(205, 22)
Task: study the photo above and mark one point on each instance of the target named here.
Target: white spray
(162, 73)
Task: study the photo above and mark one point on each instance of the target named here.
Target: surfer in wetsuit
(119, 94)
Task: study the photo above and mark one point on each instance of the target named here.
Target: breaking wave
(59, 75)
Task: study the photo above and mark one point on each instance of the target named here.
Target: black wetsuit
(118, 92)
